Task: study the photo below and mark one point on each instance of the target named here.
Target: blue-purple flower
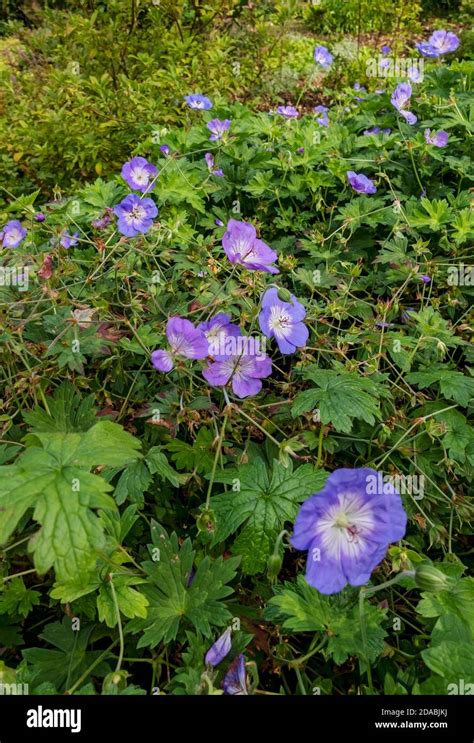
(164, 149)
(218, 128)
(385, 49)
(440, 42)
(401, 99)
(184, 340)
(438, 139)
(242, 246)
(138, 173)
(243, 365)
(135, 215)
(68, 241)
(198, 102)
(12, 234)
(220, 649)
(425, 279)
(376, 130)
(283, 321)
(235, 680)
(289, 112)
(217, 330)
(211, 165)
(40, 217)
(347, 528)
(323, 56)
(361, 183)
(322, 120)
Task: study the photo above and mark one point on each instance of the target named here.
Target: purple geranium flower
(401, 99)
(184, 340)
(209, 158)
(283, 321)
(218, 128)
(138, 172)
(40, 217)
(385, 49)
(242, 246)
(12, 234)
(425, 279)
(323, 120)
(198, 102)
(347, 528)
(323, 56)
(244, 366)
(235, 680)
(67, 240)
(135, 215)
(219, 222)
(360, 182)
(218, 651)
(164, 149)
(289, 112)
(440, 42)
(217, 330)
(438, 139)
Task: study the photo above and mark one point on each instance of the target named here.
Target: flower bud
(274, 564)
(117, 680)
(218, 651)
(206, 521)
(284, 295)
(429, 578)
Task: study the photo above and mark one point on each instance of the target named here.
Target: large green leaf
(261, 501)
(340, 397)
(55, 481)
(178, 595)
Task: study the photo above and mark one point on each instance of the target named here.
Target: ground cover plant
(236, 445)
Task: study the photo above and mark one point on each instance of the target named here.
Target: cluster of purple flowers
(233, 358)
(135, 213)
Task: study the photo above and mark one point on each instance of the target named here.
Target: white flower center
(136, 213)
(279, 320)
(140, 176)
(346, 527)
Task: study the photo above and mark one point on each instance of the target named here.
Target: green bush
(79, 90)
(361, 16)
